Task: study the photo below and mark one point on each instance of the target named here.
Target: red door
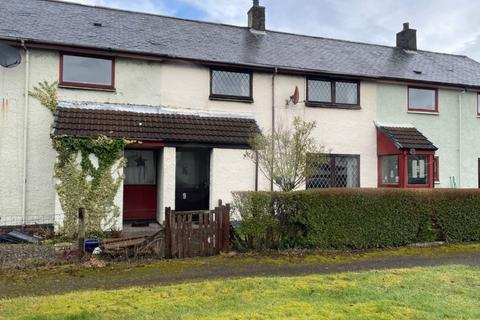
(140, 185)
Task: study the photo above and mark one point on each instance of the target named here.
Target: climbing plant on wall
(88, 172)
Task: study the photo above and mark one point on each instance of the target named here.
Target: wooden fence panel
(197, 233)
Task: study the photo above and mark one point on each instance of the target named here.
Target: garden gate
(197, 233)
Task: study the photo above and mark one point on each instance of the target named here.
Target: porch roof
(146, 123)
(405, 138)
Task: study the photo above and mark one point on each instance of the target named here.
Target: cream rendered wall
(178, 86)
(137, 82)
(340, 131)
(442, 129)
(166, 186)
(11, 143)
(229, 172)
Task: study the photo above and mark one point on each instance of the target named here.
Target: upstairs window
(231, 85)
(86, 71)
(478, 104)
(421, 99)
(333, 93)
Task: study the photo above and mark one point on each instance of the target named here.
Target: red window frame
(82, 84)
(422, 88)
(380, 170)
(478, 104)
(430, 176)
(436, 167)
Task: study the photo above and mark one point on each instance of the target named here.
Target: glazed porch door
(140, 185)
(192, 188)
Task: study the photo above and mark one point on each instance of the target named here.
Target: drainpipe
(273, 125)
(25, 133)
(460, 137)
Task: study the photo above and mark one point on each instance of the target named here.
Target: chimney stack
(407, 38)
(256, 17)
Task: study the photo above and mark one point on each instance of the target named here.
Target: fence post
(168, 233)
(217, 230)
(226, 228)
(81, 232)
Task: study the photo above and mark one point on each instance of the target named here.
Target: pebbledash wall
(175, 85)
(455, 130)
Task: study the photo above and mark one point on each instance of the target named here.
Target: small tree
(283, 155)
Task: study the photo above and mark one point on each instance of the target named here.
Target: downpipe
(25, 133)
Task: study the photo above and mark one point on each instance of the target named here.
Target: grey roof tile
(406, 138)
(72, 24)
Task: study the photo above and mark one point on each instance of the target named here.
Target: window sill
(231, 99)
(332, 105)
(435, 113)
(64, 86)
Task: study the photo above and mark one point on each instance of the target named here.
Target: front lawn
(447, 292)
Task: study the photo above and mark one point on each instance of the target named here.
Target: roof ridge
(245, 27)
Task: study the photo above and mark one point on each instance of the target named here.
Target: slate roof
(52, 22)
(164, 127)
(407, 138)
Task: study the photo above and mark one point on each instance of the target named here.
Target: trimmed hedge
(456, 212)
(357, 218)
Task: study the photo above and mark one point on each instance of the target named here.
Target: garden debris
(20, 237)
(134, 246)
(94, 262)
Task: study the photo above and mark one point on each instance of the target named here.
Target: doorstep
(134, 229)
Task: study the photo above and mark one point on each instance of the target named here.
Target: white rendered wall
(229, 172)
(166, 186)
(179, 86)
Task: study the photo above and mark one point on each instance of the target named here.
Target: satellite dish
(296, 96)
(9, 56)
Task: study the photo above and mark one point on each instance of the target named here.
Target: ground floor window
(436, 167)
(333, 171)
(417, 168)
(389, 170)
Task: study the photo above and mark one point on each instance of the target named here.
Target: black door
(192, 188)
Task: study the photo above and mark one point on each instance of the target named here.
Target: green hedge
(456, 212)
(356, 218)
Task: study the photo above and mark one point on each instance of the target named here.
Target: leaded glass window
(333, 171)
(319, 90)
(333, 92)
(231, 84)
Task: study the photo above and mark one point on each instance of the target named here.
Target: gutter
(25, 133)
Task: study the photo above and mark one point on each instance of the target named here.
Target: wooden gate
(197, 233)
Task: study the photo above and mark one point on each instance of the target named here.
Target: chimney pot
(407, 38)
(256, 17)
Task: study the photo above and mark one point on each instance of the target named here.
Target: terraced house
(194, 92)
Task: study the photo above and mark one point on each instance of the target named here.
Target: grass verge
(419, 293)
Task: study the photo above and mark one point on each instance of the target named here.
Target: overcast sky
(451, 26)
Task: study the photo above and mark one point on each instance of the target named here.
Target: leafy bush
(258, 225)
(357, 218)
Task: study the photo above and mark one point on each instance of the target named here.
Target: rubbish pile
(19, 237)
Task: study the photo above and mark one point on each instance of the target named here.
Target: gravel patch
(21, 256)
